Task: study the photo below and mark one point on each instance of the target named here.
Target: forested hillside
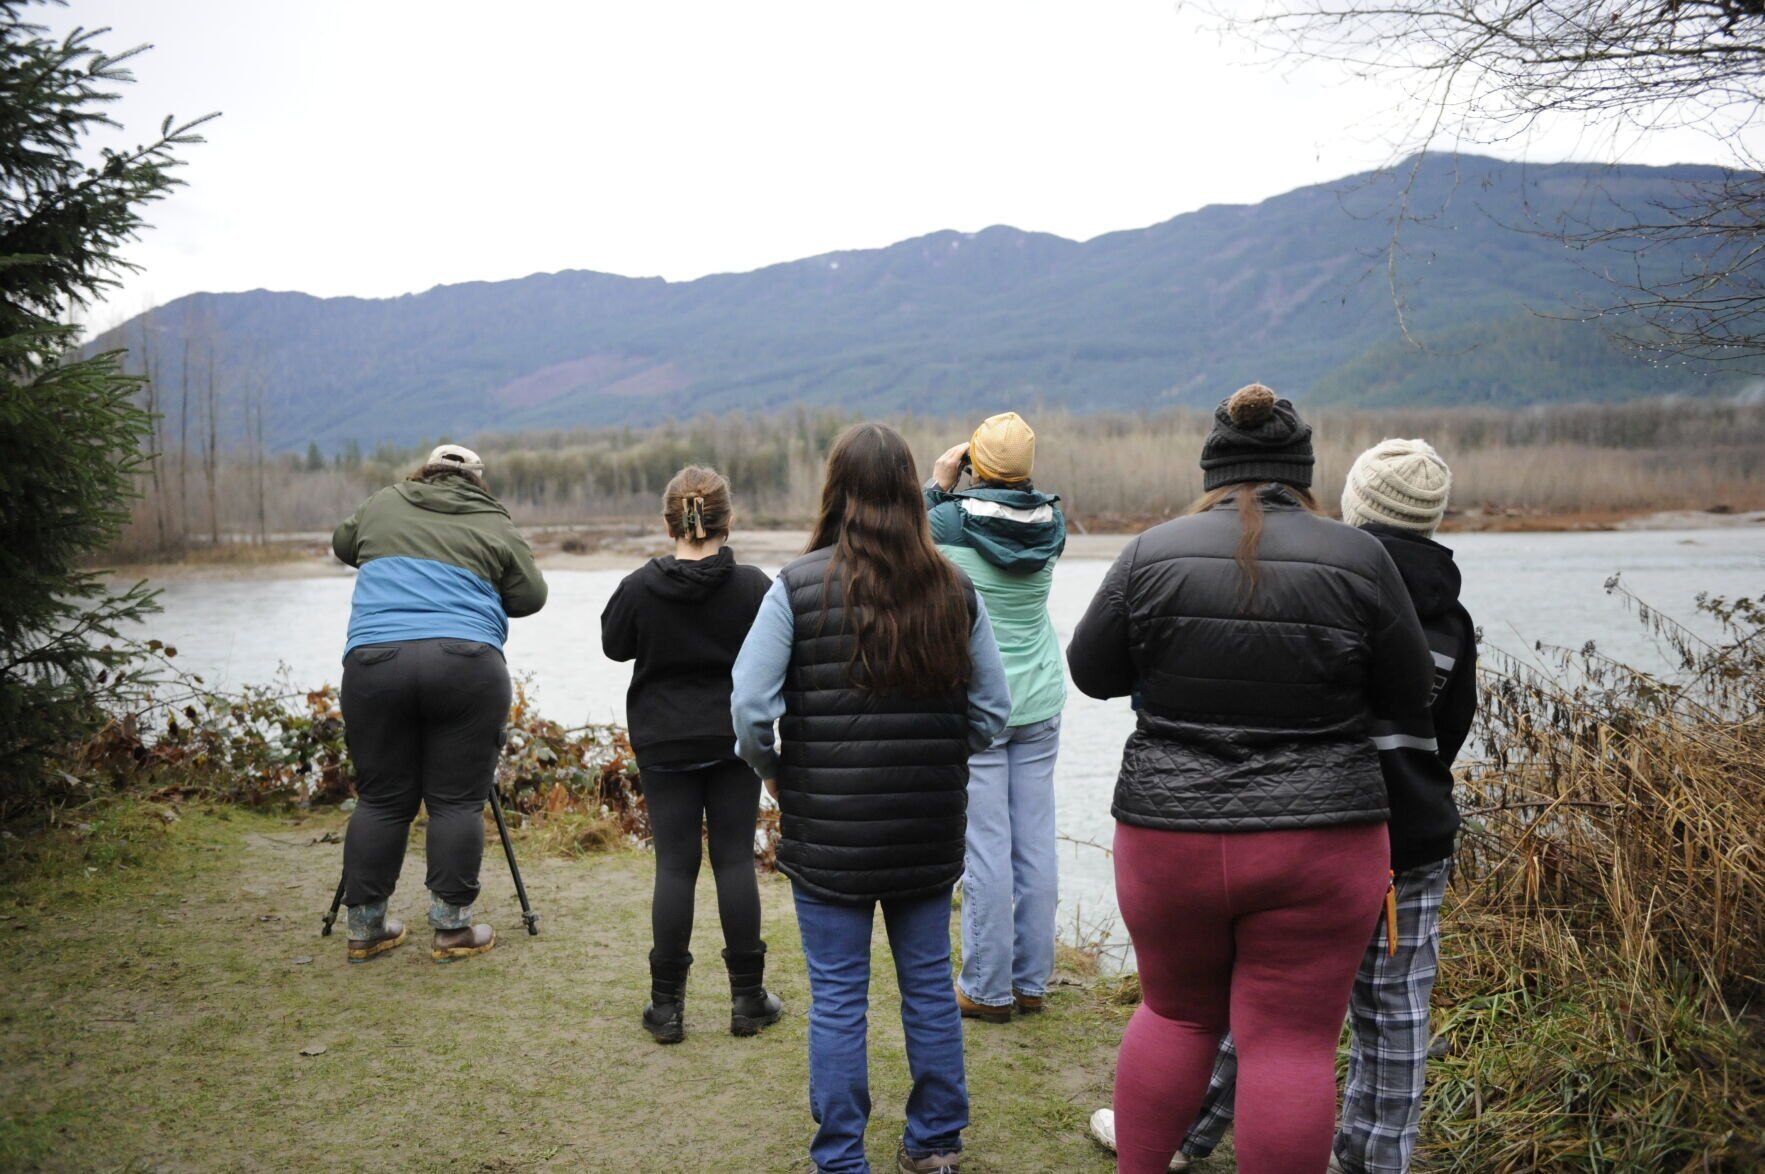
(1293, 291)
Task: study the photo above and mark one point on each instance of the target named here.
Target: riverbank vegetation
(1603, 973)
(1587, 464)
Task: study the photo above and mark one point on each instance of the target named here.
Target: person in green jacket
(440, 570)
(1007, 535)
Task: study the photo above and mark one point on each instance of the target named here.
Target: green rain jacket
(1008, 540)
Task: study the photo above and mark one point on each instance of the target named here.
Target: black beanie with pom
(1256, 437)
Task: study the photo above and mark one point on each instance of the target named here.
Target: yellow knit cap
(1003, 448)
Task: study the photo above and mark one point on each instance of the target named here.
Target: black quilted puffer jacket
(1252, 715)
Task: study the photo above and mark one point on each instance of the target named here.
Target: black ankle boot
(665, 1017)
(751, 1006)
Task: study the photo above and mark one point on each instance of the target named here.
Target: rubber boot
(452, 945)
(751, 1006)
(371, 932)
(456, 937)
(665, 1017)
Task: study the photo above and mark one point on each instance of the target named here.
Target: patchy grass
(165, 977)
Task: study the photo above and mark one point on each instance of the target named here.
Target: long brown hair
(910, 619)
(696, 505)
(1250, 518)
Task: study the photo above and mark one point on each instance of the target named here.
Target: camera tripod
(528, 917)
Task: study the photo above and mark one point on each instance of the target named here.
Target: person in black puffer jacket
(877, 660)
(1251, 853)
(682, 618)
(1397, 491)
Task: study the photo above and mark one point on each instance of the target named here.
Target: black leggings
(724, 798)
(422, 719)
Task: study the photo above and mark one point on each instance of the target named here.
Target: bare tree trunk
(211, 457)
(258, 455)
(156, 499)
(184, 445)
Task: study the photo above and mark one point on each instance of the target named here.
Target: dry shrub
(1604, 945)
(573, 791)
(575, 778)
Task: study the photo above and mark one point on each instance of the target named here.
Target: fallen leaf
(313, 1050)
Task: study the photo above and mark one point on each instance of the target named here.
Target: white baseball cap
(455, 454)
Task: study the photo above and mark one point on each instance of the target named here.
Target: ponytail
(696, 505)
(1250, 518)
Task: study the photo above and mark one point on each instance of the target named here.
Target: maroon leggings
(1261, 931)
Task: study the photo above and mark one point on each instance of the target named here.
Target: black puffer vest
(872, 788)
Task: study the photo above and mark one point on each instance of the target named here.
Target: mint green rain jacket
(1008, 540)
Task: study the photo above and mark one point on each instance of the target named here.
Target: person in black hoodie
(682, 618)
(1397, 491)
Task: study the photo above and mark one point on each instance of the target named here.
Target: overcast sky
(378, 147)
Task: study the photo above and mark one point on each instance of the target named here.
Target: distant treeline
(1112, 469)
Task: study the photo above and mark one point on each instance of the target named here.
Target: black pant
(423, 719)
(725, 799)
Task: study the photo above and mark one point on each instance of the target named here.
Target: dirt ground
(171, 1006)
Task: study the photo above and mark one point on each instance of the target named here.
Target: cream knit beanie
(1401, 483)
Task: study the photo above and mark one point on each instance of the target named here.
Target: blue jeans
(836, 945)
(1010, 884)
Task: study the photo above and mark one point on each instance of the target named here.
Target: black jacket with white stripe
(1416, 750)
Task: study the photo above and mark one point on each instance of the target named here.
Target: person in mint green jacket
(1006, 535)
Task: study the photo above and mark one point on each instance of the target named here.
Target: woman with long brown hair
(1250, 848)
(877, 660)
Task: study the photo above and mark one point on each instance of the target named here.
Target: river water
(1521, 588)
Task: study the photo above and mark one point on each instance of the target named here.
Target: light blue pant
(1009, 883)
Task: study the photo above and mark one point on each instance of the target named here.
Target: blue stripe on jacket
(401, 598)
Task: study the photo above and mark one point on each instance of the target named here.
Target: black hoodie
(683, 623)
(1416, 750)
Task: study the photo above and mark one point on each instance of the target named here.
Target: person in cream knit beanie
(1401, 483)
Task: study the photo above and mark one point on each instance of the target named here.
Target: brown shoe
(973, 1010)
(1027, 1004)
(392, 937)
(931, 1163)
(451, 945)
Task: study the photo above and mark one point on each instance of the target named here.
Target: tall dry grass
(1113, 470)
(1604, 944)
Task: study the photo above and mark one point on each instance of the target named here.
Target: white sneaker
(1103, 1129)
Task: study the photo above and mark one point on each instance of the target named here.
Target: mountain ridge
(1286, 290)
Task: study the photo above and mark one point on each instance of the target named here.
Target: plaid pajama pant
(1382, 1103)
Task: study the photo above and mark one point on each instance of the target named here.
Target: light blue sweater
(760, 668)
